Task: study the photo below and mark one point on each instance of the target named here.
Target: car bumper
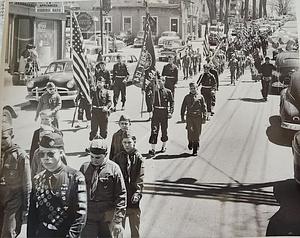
(63, 98)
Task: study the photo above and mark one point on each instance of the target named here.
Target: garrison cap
(98, 146)
(52, 140)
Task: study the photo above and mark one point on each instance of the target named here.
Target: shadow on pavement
(256, 193)
(178, 156)
(285, 222)
(254, 100)
(278, 135)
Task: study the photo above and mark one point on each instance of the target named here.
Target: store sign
(85, 21)
(49, 7)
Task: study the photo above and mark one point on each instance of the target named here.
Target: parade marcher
(58, 201)
(102, 72)
(46, 120)
(215, 73)
(233, 65)
(208, 87)
(131, 163)
(163, 108)
(83, 106)
(116, 142)
(120, 76)
(101, 103)
(199, 59)
(186, 61)
(170, 72)
(36, 162)
(195, 62)
(15, 184)
(194, 105)
(266, 70)
(50, 100)
(149, 93)
(106, 194)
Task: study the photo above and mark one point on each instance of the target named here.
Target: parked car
(164, 54)
(113, 45)
(126, 37)
(138, 41)
(130, 60)
(286, 63)
(296, 153)
(290, 104)
(92, 53)
(61, 74)
(167, 35)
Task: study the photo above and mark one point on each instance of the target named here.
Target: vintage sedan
(286, 64)
(61, 74)
(167, 35)
(138, 41)
(130, 60)
(290, 104)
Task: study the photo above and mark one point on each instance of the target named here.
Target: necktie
(128, 165)
(94, 183)
(159, 103)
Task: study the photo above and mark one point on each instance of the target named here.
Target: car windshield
(140, 34)
(111, 58)
(59, 67)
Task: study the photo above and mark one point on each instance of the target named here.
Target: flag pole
(144, 80)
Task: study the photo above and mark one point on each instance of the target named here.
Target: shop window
(127, 24)
(153, 25)
(174, 24)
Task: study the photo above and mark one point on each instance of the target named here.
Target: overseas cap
(98, 146)
(6, 126)
(50, 85)
(124, 118)
(52, 140)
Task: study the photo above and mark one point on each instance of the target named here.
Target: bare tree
(221, 13)
(226, 16)
(260, 12)
(264, 8)
(282, 7)
(246, 10)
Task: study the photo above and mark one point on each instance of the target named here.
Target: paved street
(225, 191)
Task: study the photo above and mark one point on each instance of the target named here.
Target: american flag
(206, 43)
(80, 73)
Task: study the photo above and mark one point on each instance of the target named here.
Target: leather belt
(169, 76)
(160, 107)
(120, 76)
(50, 226)
(206, 86)
(100, 107)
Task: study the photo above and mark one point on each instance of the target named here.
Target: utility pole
(101, 25)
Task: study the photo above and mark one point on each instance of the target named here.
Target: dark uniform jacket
(166, 99)
(266, 69)
(215, 74)
(207, 80)
(194, 104)
(102, 74)
(132, 167)
(116, 144)
(170, 71)
(15, 177)
(58, 204)
(101, 97)
(120, 72)
(110, 195)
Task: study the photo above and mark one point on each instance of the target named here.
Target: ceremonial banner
(146, 63)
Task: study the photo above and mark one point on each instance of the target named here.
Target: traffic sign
(49, 7)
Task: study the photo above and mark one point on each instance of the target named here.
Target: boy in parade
(106, 194)
(116, 142)
(131, 163)
(15, 184)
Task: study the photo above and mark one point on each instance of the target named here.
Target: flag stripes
(80, 73)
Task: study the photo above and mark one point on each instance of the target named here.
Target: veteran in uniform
(163, 108)
(101, 72)
(170, 71)
(208, 87)
(58, 201)
(194, 105)
(101, 103)
(15, 184)
(106, 194)
(120, 76)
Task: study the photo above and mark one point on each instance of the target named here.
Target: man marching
(163, 108)
(194, 105)
(208, 87)
(170, 71)
(101, 103)
(120, 76)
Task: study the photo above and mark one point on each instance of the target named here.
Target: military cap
(52, 140)
(129, 135)
(124, 118)
(6, 126)
(50, 85)
(98, 146)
